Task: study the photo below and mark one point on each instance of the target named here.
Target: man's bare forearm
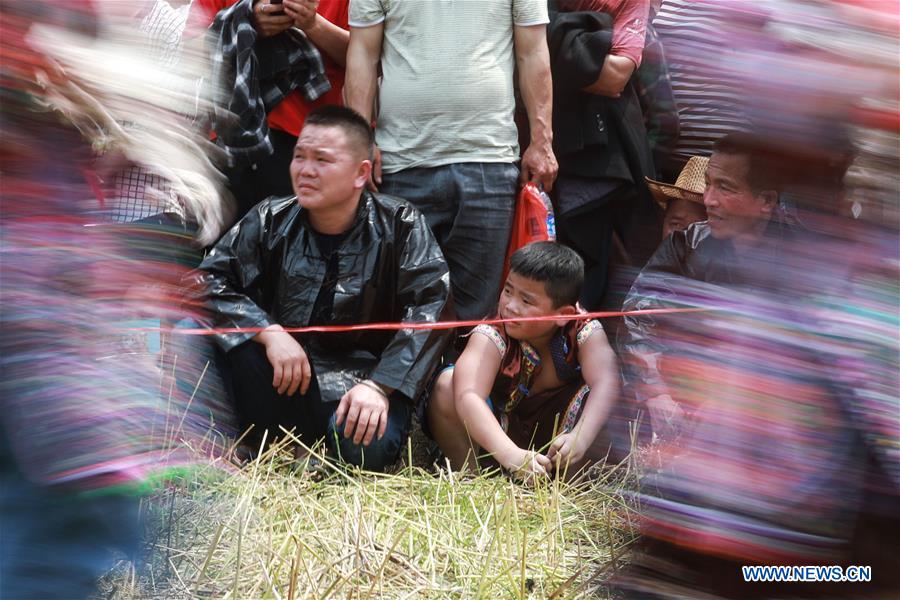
(266, 334)
(533, 58)
(330, 39)
(363, 56)
(614, 76)
(535, 83)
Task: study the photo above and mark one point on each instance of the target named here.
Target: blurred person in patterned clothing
(777, 440)
(81, 420)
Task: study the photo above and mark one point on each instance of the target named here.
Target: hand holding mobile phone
(270, 18)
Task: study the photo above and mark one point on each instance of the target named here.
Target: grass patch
(272, 530)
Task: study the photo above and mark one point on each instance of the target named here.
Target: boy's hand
(525, 463)
(568, 448)
(366, 413)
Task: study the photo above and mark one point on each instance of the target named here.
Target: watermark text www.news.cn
(806, 573)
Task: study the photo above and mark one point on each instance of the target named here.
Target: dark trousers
(251, 184)
(260, 405)
(589, 228)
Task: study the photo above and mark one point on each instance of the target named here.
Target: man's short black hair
(784, 166)
(352, 123)
(558, 267)
(764, 168)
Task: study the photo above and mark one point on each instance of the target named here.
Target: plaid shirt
(253, 76)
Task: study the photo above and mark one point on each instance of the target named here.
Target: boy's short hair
(357, 130)
(558, 267)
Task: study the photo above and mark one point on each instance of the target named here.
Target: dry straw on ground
(273, 530)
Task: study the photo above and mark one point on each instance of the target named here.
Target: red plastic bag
(533, 221)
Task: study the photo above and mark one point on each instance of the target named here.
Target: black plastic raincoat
(269, 269)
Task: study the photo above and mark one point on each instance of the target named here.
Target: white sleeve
(529, 12)
(366, 13)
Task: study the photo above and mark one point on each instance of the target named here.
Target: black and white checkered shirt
(255, 75)
(139, 192)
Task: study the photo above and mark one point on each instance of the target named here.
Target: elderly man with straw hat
(682, 202)
(743, 232)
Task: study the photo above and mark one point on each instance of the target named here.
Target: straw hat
(689, 185)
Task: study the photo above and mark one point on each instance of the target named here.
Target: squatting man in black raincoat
(333, 254)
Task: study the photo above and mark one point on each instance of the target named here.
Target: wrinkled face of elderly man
(736, 207)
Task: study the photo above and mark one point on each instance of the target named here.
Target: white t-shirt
(447, 92)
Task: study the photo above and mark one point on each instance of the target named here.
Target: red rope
(436, 325)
